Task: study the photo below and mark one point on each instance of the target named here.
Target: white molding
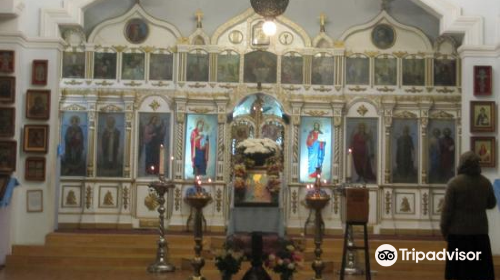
(32, 42)
(452, 20)
(479, 51)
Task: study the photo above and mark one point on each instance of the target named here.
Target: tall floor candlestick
(161, 265)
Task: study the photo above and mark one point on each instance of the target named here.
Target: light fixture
(269, 9)
(269, 27)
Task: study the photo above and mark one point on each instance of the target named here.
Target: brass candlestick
(161, 265)
(317, 200)
(198, 201)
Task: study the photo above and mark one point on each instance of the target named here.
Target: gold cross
(199, 16)
(322, 20)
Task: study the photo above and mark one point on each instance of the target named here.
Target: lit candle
(349, 164)
(162, 160)
(324, 181)
(209, 180)
(152, 169)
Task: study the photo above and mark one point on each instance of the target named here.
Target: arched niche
(362, 37)
(113, 31)
(238, 32)
(258, 116)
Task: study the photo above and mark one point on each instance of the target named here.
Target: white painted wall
(467, 82)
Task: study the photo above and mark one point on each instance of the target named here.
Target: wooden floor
(41, 274)
(109, 256)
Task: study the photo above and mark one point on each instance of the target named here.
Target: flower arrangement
(285, 262)
(258, 146)
(228, 262)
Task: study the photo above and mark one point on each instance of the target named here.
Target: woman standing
(464, 223)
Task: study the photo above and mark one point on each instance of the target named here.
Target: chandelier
(269, 9)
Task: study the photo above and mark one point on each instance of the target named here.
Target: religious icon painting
(482, 116)
(442, 150)
(292, 69)
(74, 65)
(383, 36)
(7, 61)
(362, 139)
(73, 144)
(197, 67)
(228, 67)
(413, 72)
(38, 104)
(35, 169)
(104, 66)
(154, 131)
(133, 66)
(405, 151)
(273, 130)
(161, 66)
(136, 31)
(484, 147)
(257, 193)
(316, 147)
(36, 138)
(260, 67)
(7, 121)
(483, 80)
(357, 71)
(405, 203)
(8, 152)
(322, 70)
(445, 72)
(7, 89)
(386, 71)
(110, 144)
(201, 145)
(39, 72)
(259, 38)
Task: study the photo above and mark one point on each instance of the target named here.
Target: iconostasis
(382, 89)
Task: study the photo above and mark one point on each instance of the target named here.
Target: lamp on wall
(269, 9)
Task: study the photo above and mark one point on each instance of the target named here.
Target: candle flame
(161, 146)
(350, 150)
(324, 181)
(172, 158)
(152, 167)
(209, 180)
(199, 182)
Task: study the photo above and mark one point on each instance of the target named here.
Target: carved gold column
(129, 115)
(295, 168)
(388, 104)
(221, 133)
(337, 154)
(91, 139)
(339, 54)
(425, 105)
(307, 69)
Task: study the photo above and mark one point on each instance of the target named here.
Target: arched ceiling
(341, 14)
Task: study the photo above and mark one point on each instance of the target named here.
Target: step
(210, 265)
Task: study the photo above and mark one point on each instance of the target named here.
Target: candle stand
(316, 200)
(198, 200)
(161, 265)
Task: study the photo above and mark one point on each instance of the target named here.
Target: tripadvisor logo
(386, 255)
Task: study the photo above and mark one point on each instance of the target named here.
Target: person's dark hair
(469, 164)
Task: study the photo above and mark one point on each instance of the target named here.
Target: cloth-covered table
(262, 219)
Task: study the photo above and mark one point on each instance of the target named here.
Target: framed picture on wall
(136, 31)
(35, 169)
(482, 80)
(38, 104)
(8, 150)
(34, 201)
(7, 89)
(482, 116)
(7, 121)
(36, 138)
(485, 148)
(7, 60)
(39, 72)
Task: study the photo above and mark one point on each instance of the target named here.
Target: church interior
(256, 139)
